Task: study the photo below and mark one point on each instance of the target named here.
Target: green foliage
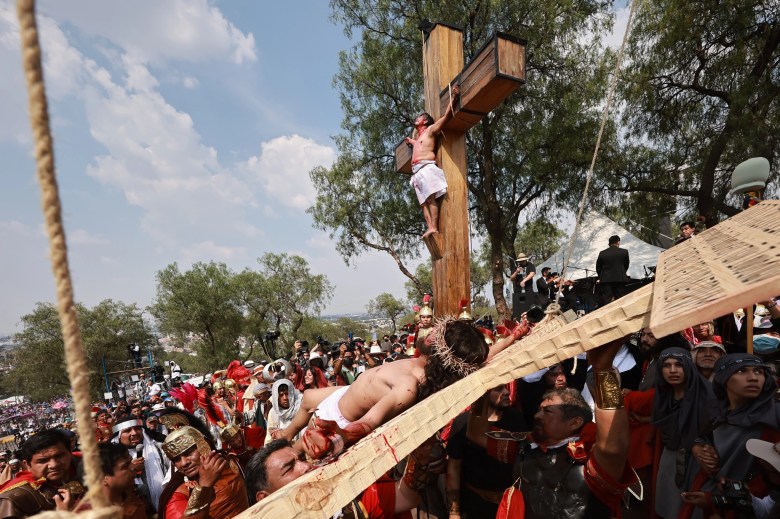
(215, 310)
(200, 307)
(539, 239)
(700, 89)
(39, 370)
(415, 291)
(385, 305)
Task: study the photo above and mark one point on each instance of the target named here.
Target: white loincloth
(428, 179)
(329, 408)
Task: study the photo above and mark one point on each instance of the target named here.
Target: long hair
(466, 343)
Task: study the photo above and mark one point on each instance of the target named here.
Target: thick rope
(44, 158)
(604, 117)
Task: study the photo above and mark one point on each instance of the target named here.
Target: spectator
(313, 378)
(612, 270)
(680, 407)
(705, 355)
(214, 487)
(746, 409)
(48, 458)
(285, 403)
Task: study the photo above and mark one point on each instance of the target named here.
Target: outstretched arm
(612, 434)
(436, 127)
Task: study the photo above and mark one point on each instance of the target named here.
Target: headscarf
(764, 409)
(319, 377)
(681, 423)
(295, 397)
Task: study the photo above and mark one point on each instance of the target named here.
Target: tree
(539, 239)
(534, 146)
(279, 298)
(700, 89)
(201, 306)
(39, 370)
(386, 305)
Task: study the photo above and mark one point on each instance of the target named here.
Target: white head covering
(295, 397)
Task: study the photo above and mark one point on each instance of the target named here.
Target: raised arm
(612, 434)
(436, 127)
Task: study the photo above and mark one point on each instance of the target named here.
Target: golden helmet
(183, 439)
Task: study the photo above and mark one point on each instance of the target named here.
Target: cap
(766, 451)
(709, 344)
(249, 364)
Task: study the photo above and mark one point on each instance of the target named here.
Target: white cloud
(156, 32)
(208, 251)
(283, 168)
(190, 82)
(16, 227)
(83, 237)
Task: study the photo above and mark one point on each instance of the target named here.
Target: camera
(735, 496)
(272, 335)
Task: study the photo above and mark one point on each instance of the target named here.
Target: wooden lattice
(729, 266)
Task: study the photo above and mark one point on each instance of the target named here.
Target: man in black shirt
(476, 481)
(523, 294)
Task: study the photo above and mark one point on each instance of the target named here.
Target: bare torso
(424, 147)
(383, 392)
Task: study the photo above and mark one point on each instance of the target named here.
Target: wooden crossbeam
(729, 266)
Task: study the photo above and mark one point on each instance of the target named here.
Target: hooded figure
(279, 417)
(679, 422)
(745, 409)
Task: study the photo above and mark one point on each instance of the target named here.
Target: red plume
(427, 299)
(187, 394)
(239, 373)
(213, 412)
(464, 303)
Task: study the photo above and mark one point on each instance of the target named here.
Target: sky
(184, 131)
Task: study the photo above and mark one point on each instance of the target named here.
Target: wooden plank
(729, 266)
(324, 491)
(403, 158)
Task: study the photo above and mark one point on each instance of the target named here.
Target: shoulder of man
(21, 497)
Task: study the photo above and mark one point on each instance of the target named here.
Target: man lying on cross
(343, 415)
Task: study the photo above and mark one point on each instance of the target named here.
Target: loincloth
(329, 408)
(428, 179)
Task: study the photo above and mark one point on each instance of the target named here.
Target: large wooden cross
(496, 71)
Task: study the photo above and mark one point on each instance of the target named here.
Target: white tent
(593, 237)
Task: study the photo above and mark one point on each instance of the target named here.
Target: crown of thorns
(443, 351)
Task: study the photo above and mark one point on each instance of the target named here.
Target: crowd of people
(683, 426)
(20, 418)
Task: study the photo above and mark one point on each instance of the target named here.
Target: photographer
(346, 365)
(522, 280)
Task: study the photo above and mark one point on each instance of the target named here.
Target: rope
(44, 158)
(604, 116)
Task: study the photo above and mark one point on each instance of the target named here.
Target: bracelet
(200, 499)
(607, 394)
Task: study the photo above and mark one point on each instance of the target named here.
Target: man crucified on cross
(427, 178)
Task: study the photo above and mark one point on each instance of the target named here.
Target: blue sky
(184, 131)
